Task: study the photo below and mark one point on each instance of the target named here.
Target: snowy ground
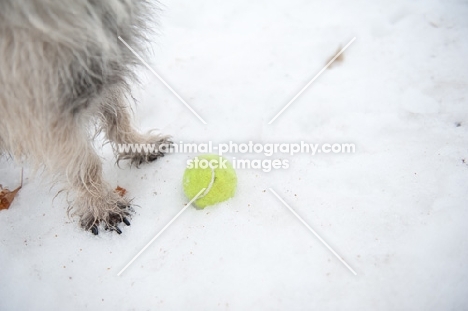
(396, 210)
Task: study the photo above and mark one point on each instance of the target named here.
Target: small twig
(21, 178)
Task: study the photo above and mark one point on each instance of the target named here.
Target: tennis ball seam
(210, 185)
(218, 186)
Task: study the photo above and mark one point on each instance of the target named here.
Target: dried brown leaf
(7, 196)
(121, 191)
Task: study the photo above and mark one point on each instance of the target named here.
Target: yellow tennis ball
(215, 174)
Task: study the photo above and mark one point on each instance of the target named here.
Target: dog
(65, 73)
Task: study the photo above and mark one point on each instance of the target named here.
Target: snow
(395, 210)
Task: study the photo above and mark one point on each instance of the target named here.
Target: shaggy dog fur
(63, 71)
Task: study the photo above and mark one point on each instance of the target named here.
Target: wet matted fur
(63, 71)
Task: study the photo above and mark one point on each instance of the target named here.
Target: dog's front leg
(118, 127)
(70, 155)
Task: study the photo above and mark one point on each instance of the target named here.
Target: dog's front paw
(107, 215)
(153, 148)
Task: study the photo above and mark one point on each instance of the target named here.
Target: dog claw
(125, 221)
(113, 228)
(111, 220)
(155, 156)
(152, 158)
